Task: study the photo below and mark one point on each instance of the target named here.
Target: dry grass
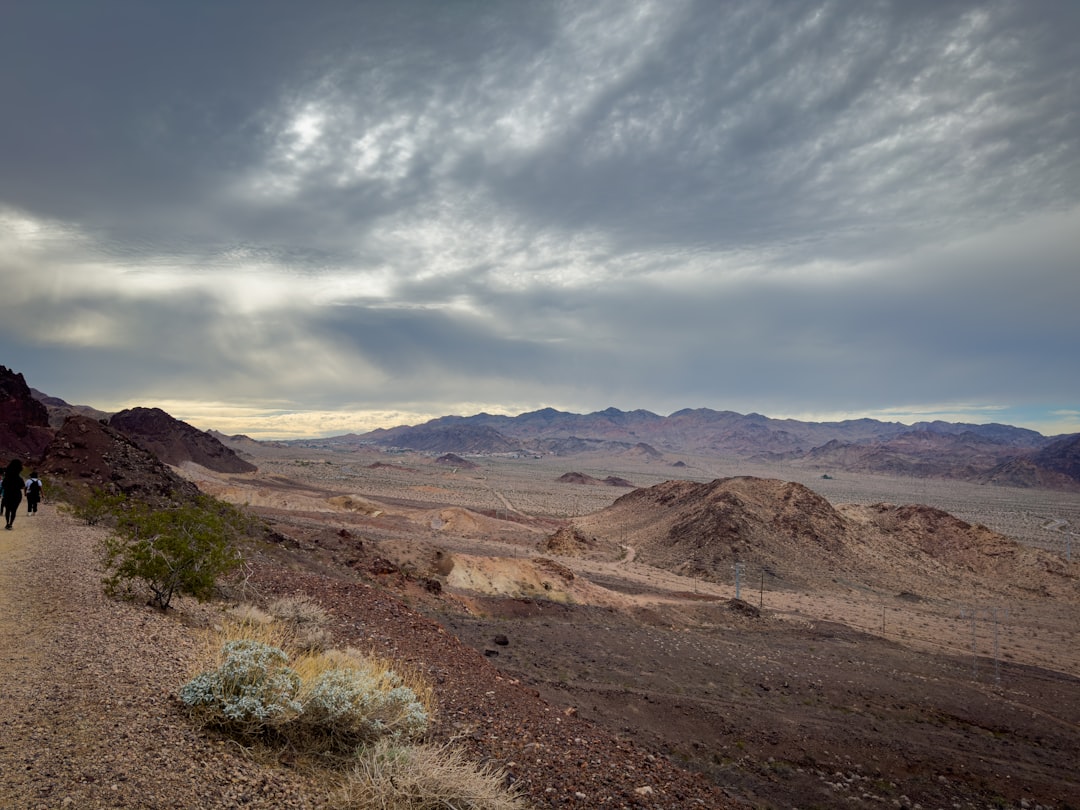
(423, 777)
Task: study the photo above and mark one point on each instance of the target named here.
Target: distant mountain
(1055, 466)
(959, 451)
(440, 436)
(1062, 455)
(922, 453)
(59, 410)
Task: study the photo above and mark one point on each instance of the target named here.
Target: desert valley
(782, 616)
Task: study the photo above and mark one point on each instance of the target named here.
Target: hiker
(13, 492)
(34, 490)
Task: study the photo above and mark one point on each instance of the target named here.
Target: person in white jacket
(35, 491)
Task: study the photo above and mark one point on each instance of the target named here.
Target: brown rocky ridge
(175, 442)
(59, 410)
(456, 461)
(87, 452)
(796, 537)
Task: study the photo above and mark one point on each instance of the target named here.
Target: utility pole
(974, 651)
(992, 614)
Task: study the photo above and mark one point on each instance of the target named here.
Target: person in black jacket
(13, 490)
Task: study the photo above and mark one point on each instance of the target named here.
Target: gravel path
(87, 717)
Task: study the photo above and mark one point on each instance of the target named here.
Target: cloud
(415, 207)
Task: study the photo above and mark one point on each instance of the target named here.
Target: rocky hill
(589, 480)
(920, 453)
(175, 442)
(456, 461)
(24, 421)
(86, 451)
(789, 533)
(1061, 456)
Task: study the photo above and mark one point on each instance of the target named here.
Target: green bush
(182, 549)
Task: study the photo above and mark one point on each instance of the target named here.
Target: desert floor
(837, 694)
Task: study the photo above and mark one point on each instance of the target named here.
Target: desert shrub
(321, 703)
(244, 615)
(297, 623)
(251, 692)
(305, 619)
(422, 777)
(297, 610)
(182, 549)
(351, 700)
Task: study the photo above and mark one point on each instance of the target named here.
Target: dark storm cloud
(837, 206)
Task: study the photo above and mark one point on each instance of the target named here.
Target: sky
(294, 219)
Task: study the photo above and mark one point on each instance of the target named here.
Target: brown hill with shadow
(787, 532)
(918, 453)
(456, 461)
(1055, 466)
(175, 442)
(703, 529)
(91, 453)
(591, 481)
(1026, 473)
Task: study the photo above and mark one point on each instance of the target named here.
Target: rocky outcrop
(455, 461)
(175, 442)
(24, 422)
(89, 452)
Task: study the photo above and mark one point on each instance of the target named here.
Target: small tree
(183, 549)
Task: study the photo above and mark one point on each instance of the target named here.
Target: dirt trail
(86, 714)
(25, 630)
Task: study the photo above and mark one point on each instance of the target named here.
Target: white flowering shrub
(356, 706)
(328, 702)
(252, 691)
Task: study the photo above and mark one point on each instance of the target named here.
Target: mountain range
(989, 453)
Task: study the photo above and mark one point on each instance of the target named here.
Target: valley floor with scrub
(914, 682)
